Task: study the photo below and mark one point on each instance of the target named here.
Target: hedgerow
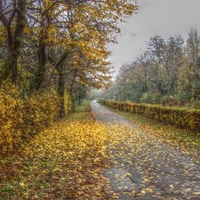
(180, 117)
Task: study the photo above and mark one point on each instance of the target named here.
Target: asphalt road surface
(157, 170)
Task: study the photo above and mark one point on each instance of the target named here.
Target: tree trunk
(60, 67)
(61, 92)
(10, 65)
(39, 76)
(72, 91)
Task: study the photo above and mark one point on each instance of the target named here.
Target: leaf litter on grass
(63, 162)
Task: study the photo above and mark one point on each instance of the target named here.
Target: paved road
(157, 171)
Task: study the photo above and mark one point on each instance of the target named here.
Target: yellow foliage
(22, 118)
(80, 138)
(39, 111)
(10, 117)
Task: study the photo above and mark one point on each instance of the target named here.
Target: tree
(189, 73)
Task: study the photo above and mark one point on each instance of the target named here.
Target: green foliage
(84, 107)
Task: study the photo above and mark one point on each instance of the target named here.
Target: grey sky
(154, 17)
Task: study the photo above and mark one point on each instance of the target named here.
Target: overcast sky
(154, 17)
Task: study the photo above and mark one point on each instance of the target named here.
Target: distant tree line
(167, 73)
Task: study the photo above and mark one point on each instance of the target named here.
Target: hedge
(180, 117)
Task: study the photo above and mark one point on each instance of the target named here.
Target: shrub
(39, 111)
(21, 119)
(10, 118)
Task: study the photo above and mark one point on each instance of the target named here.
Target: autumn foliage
(180, 117)
(11, 118)
(59, 44)
(23, 118)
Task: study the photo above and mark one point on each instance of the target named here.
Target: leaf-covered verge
(68, 160)
(187, 140)
(62, 162)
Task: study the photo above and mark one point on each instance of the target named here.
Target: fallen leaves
(63, 162)
(68, 161)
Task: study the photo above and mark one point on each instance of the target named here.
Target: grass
(82, 112)
(188, 140)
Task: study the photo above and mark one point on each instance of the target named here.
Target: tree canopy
(48, 43)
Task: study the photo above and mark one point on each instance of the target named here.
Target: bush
(10, 118)
(21, 119)
(39, 111)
